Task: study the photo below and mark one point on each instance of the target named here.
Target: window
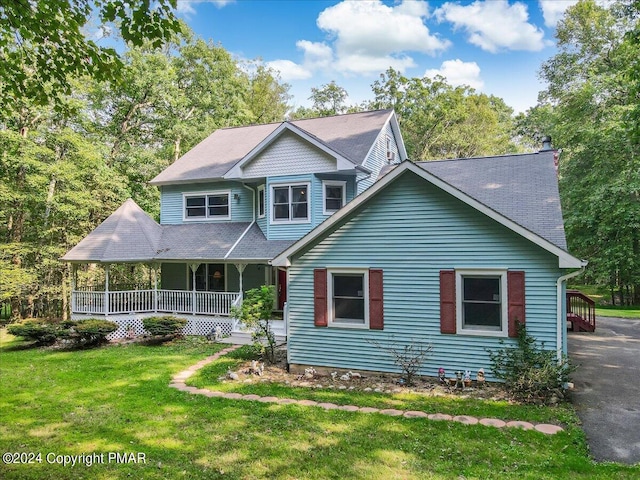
(261, 201)
(481, 301)
(348, 298)
(290, 203)
(213, 206)
(334, 196)
(210, 277)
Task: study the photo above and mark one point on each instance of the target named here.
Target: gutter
(559, 316)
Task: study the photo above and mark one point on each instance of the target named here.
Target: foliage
(164, 325)
(588, 107)
(42, 332)
(92, 331)
(531, 373)
(440, 121)
(409, 357)
(43, 43)
(255, 312)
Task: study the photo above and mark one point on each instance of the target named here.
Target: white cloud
(458, 73)
(553, 10)
(369, 31)
(494, 25)
(316, 54)
(290, 70)
(186, 7)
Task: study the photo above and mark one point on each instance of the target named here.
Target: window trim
(333, 183)
(504, 302)
(206, 195)
(261, 188)
(290, 221)
(331, 322)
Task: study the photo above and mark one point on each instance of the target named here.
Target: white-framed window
(481, 302)
(210, 277)
(290, 203)
(348, 297)
(261, 201)
(333, 196)
(207, 206)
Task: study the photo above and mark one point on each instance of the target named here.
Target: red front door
(282, 288)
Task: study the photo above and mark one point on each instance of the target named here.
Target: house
(228, 207)
(446, 253)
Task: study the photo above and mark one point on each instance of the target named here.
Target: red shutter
(515, 289)
(447, 301)
(320, 297)
(376, 300)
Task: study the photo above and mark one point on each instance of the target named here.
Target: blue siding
(171, 204)
(378, 157)
(412, 230)
(289, 231)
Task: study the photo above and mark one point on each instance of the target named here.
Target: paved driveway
(607, 388)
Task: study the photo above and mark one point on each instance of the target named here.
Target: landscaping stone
(268, 399)
(308, 403)
(493, 422)
(415, 414)
(392, 412)
(349, 408)
(369, 410)
(548, 429)
(328, 406)
(250, 397)
(287, 401)
(439, 416)
(466, 420)
(232, 396)
(520, 424)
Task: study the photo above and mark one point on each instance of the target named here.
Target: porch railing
(581, 311)
(163, 301)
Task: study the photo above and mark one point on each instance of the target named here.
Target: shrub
(531, 373)
(255, 312)
(164, 326)
(42, 332)
(92, 331)
(408, 357)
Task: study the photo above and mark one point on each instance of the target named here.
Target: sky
(494, 46)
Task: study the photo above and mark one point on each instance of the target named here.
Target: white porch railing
(164, 301)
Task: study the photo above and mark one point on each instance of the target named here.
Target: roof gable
(565, 260)
(348, 138)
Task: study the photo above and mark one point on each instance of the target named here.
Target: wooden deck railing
(581, 311)
(143, 301)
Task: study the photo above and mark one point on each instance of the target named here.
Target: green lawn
(601, 296)
(115, 399)
(618, 312)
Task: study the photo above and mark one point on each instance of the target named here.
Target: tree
(43, 43)
(441, 121)
(592, 94)
(329, 99)
(255, 312)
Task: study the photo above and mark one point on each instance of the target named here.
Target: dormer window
(290, 203)
(207, 206)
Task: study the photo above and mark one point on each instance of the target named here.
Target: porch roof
(129, 235)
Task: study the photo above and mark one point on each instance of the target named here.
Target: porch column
(74, 274)
(193, 267)
(106, 289)
(154, 273)
(241, 267)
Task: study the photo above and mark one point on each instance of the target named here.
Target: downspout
(559, 316)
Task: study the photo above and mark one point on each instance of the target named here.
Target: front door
(282, 288)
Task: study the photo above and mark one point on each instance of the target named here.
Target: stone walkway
(178, 382)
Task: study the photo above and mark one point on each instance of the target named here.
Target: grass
(116, 399)
(618, 312)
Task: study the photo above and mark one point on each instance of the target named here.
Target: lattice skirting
(196, 325)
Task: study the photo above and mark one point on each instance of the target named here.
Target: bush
(164, 326)
(42, 332)
(255, 312)
(92, 331)
(531, 373)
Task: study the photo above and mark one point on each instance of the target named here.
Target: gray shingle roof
(254, 245)
(130, 235)
(127, 235)
(523, 188)
(350, 135)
